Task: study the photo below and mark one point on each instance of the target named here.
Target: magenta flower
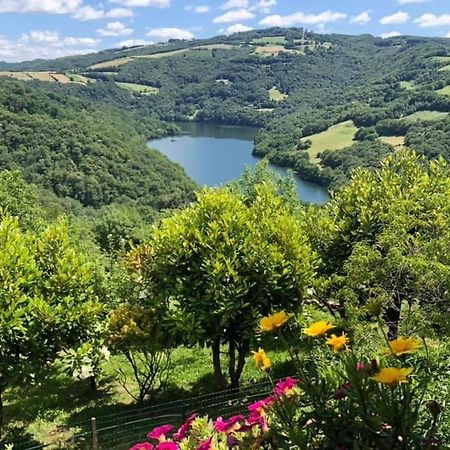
(261, 405)
(181, 433)
(285, 387)
(142, 446)
(255, 420)
(207, 445)
(159, 433)
(360, 367)
(167, 446)
(231, 424)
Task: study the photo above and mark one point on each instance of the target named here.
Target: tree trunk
(2, 417)
(236, 367)
(93, 383)
(220, 379)
(392, 317)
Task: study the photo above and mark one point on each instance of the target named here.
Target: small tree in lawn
(220, 264)
(48, 299)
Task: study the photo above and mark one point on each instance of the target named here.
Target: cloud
(133, 43)
(234, 16)
(301, 18)
(447, 35)
(362, 18)
(408, 2)
(263, 6)
(234, 4)
(164, 34)
(119, 13)
(237, 28)
(198, 9)
(142, 3)
(397, 18)
(115, 29)
(390, 34)
(432, 20)
(88, 13)
(40, 6)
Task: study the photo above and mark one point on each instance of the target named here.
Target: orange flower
(262, 361)
(273, 321)
(403, 346)
(318, 328)
(337, 342)
(392, 375)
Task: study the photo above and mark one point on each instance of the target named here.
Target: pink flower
(232, 424)
(167, 446)
(360, 367)
(159, 433)
(285, 387)
(207, 445)
(181, 433)
(255, 419)
(142, 446)
(261, 406)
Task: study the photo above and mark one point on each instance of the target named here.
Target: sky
(31, 29)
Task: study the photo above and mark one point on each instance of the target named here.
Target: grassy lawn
(444, 91)
(58, 407)
(396, 141)
(276, 95)
(270, 40)
(426, 115)
(77, 78)
(139, 88)
(336, 137)
(407, 85)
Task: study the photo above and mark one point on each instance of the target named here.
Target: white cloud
(119, 13)
(46, 37)
(88, 13)
(80, 41)
(115, 29)
(164, 34)
(408, 2)
(432, 20)
(40, 6)
(237, 28)
(233, 4)
(234, 16)
(133, 43)
(396, 18)
(198, 9)
(301, 18)
(142, 3)
(390, 34)
(447, 35)
(263, 6)
(362, 18)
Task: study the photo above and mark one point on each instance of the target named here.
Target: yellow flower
(338, 342)
(273, 322)
(392, 375)
(262, 361)
(403, 346)
(318, 328)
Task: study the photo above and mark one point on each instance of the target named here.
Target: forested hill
(310, 94)
(86, 153)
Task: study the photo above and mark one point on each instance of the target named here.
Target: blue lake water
(213, 155)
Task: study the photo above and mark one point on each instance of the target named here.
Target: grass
(336, 137)
(429, 116)
(407, 85)
(273, 50)
(17, 75)
(112, 63)
(50, 77)
(276, 95)
(77, 78)
(396, 141)
(444, 91)
(55, 409)
(270, 40)
(139, 88)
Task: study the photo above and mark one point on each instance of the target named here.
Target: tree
(49, 299)
(220, 264)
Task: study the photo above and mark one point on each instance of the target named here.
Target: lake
(214, 154)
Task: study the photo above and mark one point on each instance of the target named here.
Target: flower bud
(375, 307)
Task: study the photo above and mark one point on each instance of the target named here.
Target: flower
(206, 445)
(360, 367)
(262, 361)
(392, 375)
(338, 342)
(159, 433)
(403, 346)
(181, 433)
(142, 446)
(259, 408)
(273, 322)
(167, 446)
(232, 424)
(286, 387)
(318, 328)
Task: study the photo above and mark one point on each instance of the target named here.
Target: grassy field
(426, 115)
(276, 95)
(53, 411)
(407, 85)
(50, 77)
(396, 141)
(270, 40)
(139, 88)
(336, 137)
(444, 91)
(77, 78)
(112, 63)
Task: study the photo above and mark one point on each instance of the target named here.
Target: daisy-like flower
(273, 322)
(318, 328)
(227, 426)
(262, 361)
(392, 375)
(286, 387)
(337, 342)
(404, 346)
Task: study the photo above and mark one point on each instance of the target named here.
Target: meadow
(138, 88)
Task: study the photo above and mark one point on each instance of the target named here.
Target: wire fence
(120, 431)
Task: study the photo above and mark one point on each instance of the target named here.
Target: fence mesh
(120, 431)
